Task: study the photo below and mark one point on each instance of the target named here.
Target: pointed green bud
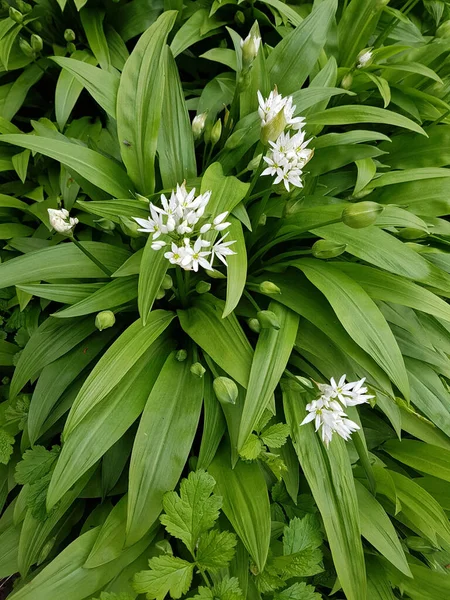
(214, 274)
(198, 370)
(268, 319)
(69, 35)
(254, 163)
(262, 220)
(216, 132)
(71, 48)
(327, 249)
(167, 283)
(37, 26)
(274, 128)
(347, 81)
(202, 287)
(15, 15)
(267, 287)
(105, 224)
(129, 227)
(239, 17)
(198, 125)
(36, 42)
(26, 48)
(160, 294)
(226, 390)
(304, 382)
(250, 47)
(362, 214)
(104, 320)
(410, 233)
(181, 355)
(24, 7)
(254, 325)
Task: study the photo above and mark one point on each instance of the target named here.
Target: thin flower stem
(91, 257)
(254, 179)
(180, 285)
(252, 300)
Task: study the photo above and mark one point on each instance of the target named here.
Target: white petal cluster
(270, 107)
(181, 217)
(61, 221)
(250, 48)
(364, 59)
(286, 159)
(327, 411)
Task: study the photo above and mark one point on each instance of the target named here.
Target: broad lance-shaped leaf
(111, 537)
(170, 420)
(245, 502)
(237, 267)
(50, 341)
(103, 172)
(377, 528)
(139, 103)
(360, 316)
(115, 363)
(426, 458)
(329, 475)
(153, 268)
(223, 339)
(269, 361)
(108, 421)
(46, 263)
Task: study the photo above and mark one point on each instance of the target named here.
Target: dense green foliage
(151, 436)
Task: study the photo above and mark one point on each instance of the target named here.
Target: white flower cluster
(327, 411)
(364, 59)
(288, 154)
(61, 221)
(178, 217)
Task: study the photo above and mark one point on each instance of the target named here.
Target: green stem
(91, 257)
(254, 179)
(252, 301)
(180, 285)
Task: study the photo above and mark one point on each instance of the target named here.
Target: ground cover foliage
(167, 354)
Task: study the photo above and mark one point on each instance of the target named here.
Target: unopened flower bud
(36, 26)
(160, 294)
(15, 15)
(226, 390)
(69, 35)
(250, 47)
(262, 220)
(254, 325)
(202, 287)
(327, 249)
(267, 287)
(198, 370)
(24, 7)
(104, 320)
(362, 214)
(129, 227)
(181, 355)
(105, 224)
(239, 17)
(274, 128)
(198, 125)
(214, 274)
(268, 319)
(61, 221)
(410, 233)
(4, 4)
(167, 283)
(347, 81)
(254, 163)
(305, 382)
(216, 132)
(227, 117)
(26, 48)
(364, 58)
(36, 42)
(71, 48)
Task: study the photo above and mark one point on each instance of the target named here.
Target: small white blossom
(364, 59)
(221, 249)
(270, 107)
(198, 124)
(195, 256)
(286, 159)
(176, 254)
(349, 394)
(61, 221)
(250, 48)
(158, 244)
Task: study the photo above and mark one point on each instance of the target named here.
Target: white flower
(61, 221)
(286, 159)
(158, 245)
(250, 48)
(176, 255)
(198, 124)
(271, 106)
(221, 249)
(195, 256)
(218, 225)
(364, 59)
(349, 394)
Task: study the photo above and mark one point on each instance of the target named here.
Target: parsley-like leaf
(252, 448)
(18, 412)
(298, 591)
(216, 549)
(276, 435)
(227, 589)
(167, 574)
(35, 464)
(305, 563)
(110, 596)
(6, 446)
(300, 534)
(194, 511)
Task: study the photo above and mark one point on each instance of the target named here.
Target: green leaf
(103, 172)
(252, 448)
(170, 419)
(426, 458)
(227, 589)
(50, 341)
(298, 591)
(360, 316)
(378, 530)
(139, 103)
(300, 534)
(330, 478)
(92, 21)
(357, 23)
(167, 574)
(193, 511)
(245, 503)
(213, 424)
(111, 537)
(102, 85)
(66, 293)
(216, 549)
(6, 446)
(35, 464)
(115, 363)
(20, 163)
(276, 435)
(292, 59)
(223, 339)
(199, 26)
(270, 359)
(237, 267)
(108, 596)
(153, 268)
